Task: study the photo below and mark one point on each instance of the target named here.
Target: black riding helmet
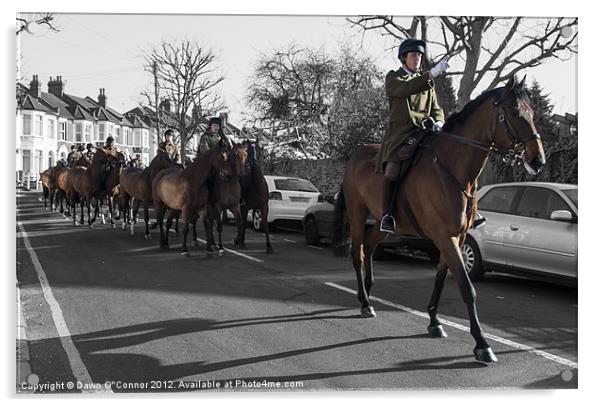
(215, 120)
(110, 139)
(80, 147)
(89, 146)
(410, 45)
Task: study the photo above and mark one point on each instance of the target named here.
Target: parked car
(531, 230)
(289, 197)
(318, 224)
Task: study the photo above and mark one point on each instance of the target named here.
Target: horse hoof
(436, 331)
(146, 237)
(113, 225)
(269, 250)
(485, 355)
(131, 233)
(368, 312)
(90, 227)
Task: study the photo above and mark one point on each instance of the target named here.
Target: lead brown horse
(438, 188)
(186, 190)
(50, 187)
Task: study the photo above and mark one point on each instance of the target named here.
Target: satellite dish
(566, 31)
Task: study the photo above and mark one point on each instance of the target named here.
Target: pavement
(110, 312)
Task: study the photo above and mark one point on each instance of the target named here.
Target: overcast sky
(94, 51)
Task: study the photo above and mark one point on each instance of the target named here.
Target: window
(87, 132)
(27, 124)
(101, 131)
(145, 139)
(137, 138)
(540, 203)
(78, 132)
(50, 128)
(293, 184)
(38, 126)
(498, 199)
(572, 195)
(38, 161)
(70, 131)
(63, 131)
(26, 160)
(110, 126)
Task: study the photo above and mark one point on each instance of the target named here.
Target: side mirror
(562, 215)
(329, 199)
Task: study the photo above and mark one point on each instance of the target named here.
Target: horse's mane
(457, 119)
(240, 154)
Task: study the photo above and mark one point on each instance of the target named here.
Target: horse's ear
(511, 83)
(522, 83)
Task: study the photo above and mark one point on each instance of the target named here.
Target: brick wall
(326, 174)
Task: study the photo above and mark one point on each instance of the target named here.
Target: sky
(94, 51)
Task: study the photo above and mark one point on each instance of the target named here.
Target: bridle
(512, 154)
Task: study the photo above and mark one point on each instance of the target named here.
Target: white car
(289, 198)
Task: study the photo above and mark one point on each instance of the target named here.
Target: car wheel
(312, 236)
(472, 260)
(257, 218)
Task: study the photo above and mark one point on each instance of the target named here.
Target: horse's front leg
(147, 234)
(266, 229)
(451, 255)
(185, 217)
(435, 329)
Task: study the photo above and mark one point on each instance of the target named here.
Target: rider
(109, 147)
(89, 154)
(169, 147)
(73, 156)
(412, 100)
(213, 136)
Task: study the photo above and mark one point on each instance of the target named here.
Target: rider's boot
(387, 224)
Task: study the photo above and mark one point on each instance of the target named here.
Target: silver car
(531, 229)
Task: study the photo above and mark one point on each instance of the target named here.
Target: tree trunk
(467, 83)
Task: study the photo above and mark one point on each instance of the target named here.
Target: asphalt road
(136, 316)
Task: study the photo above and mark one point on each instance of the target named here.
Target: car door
(533, 241)
(495, 205)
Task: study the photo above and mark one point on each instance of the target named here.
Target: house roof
(82, 114)
(56, 103)
(30, 103)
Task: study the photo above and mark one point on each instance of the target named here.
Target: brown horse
(226, 195)
(66, 191)
(438, 188)
(255, 196)
(186, 190)
(96, 181)
(49, 185)
(136, 184)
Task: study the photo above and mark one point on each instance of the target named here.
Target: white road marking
(452, 324)
(80, 372)
(255, 259)
(315, 247)
(290, 241)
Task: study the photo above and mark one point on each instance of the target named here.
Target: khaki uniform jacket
(111, 150)
(208, 141)
(73, 157)
(411, 98)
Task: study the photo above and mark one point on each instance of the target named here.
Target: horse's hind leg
(451, 255)
(435, 328)
(266, 229)
(372, 240)
(147, 234)
(160, 213)
(185, 219)
(239, 240)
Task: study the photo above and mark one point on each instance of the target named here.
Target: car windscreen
(293, 184)
(571, 194)
(498, 199)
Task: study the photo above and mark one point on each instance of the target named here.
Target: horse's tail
(339, 233)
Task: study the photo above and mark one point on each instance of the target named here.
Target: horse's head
(514, 128)
(219, 159)
(238, 157)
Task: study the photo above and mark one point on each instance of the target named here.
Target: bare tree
(185, 75)
(487, 50)
(25, 23)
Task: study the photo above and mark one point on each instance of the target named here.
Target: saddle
(410, 150)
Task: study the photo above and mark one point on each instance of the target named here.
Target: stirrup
(387, 224)
(478, 223)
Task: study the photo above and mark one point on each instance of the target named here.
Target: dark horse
(226, 192)
(94, 182)
(255, 196)
(186, 190)
(438, 189)
(137, 184)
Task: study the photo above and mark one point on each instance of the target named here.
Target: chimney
(224, 118)
(102, 98)
(166, 105)
(55, 87)
(35, 89)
